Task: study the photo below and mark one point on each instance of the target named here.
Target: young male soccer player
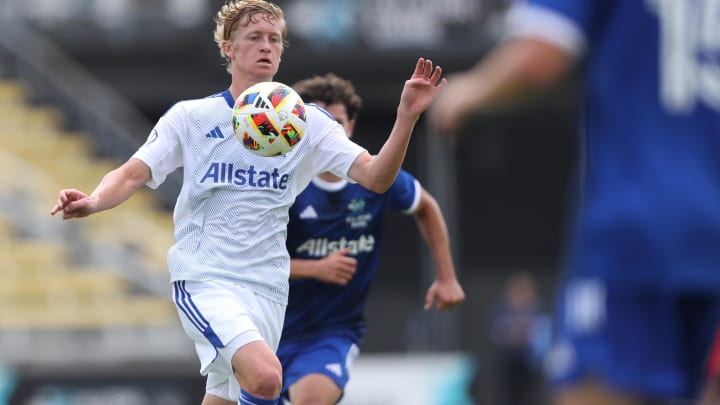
(641, 297)
(334, 240)
(229, 265)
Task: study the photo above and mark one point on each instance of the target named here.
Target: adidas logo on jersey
(320, 247)
(334, 368)
(308, 213)
(215, 133)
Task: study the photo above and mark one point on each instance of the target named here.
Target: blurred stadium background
(86, 316)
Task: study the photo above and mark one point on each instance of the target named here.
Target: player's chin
(266, 69)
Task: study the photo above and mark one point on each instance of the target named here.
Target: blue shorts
(328, 355)
(638, 340)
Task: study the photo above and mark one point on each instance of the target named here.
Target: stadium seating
(60, 275)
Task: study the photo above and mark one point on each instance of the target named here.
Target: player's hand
(74, 204)
(445, 294)
(421, 90)
(337, 267)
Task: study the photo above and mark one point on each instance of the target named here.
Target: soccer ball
(269, 118)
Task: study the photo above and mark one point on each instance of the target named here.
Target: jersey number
(689, 53)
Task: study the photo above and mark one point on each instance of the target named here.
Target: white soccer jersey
(232, 212)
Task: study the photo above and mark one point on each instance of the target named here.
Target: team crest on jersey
(356, 217)
(357, 204)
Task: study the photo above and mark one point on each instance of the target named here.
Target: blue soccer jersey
(328, 217)
(650, 200)
(640, 300)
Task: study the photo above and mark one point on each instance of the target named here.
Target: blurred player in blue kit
(641, 295)
(229, 266)
(334, 238)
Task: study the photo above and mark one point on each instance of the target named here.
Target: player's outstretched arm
(514, 69)
(445, 292)
(336, 268)
(117, 186)
(377, 173)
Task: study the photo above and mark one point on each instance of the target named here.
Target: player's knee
(315, 389)
(266, 382)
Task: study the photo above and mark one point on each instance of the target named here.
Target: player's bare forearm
(303, 268)
(114, 188)
(336, 268)
(378, 172)
(515, 69)
(433, 228)
(445, 292)
(119, 184)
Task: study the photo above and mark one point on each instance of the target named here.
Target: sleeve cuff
(537, 22)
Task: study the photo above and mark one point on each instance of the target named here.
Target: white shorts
(221, 317)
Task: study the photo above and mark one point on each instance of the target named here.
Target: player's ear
(350, 128)
(227, 47)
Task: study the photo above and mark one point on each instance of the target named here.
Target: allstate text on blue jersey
(321, 247)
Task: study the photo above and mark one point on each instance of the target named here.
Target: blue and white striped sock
(248, 399)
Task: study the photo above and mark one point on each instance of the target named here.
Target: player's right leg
(258, 370)
(315, 389)
(235, 334)
(316, 370)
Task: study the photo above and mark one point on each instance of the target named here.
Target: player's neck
(239, 84)
(329, 177)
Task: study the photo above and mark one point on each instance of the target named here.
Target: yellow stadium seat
(129, 312)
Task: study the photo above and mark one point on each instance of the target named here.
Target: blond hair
(242, 12)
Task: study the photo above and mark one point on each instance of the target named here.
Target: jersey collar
(329, 185)
(229, 98)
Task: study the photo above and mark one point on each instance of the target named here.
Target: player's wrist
(405, 117)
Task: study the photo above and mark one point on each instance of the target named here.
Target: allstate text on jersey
(321, 247)
(226, 173)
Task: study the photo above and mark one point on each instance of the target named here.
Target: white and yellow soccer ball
(269, 118)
